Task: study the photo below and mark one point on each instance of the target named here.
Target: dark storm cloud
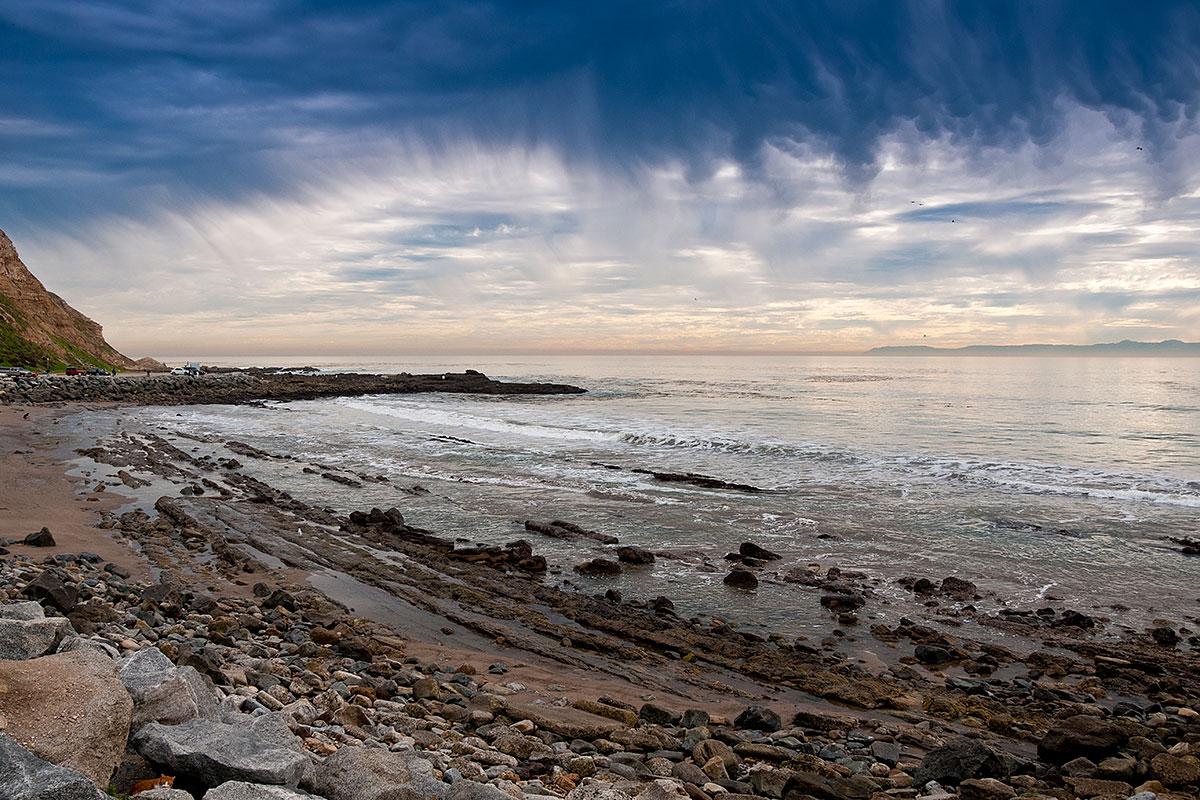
(107, 103)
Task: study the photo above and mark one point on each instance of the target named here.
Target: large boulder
(26, 631)
(69, 709)
(251, 749)
(54, 586)
(240, 790)
(361, 773)
(24, 776)
(1081, 735)
(163, 692)
(959, 759)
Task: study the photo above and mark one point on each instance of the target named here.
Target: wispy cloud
(271, 175)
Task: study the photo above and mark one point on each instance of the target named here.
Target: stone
(26, 631)
(689, 773)
(569, 722)
(54, 586)
(254, 749)
(662, 790)
(24, 776)
(165, 693)
(163, 793)
(958, 760)
(985, 789)
(751, 550)
(695, 718)
(758, 718)
(592, 789)
(1095, 787)
(655, 715)
(1080, 736)
(1176, 770)
(240, 790)
(360, 773)
(470, 790)
(42, 538)
(932, 654)
(887, 752)
(708, 748)
(635, 555)
(425, 689)
(599, 568)
(69, 709)
(741, 579)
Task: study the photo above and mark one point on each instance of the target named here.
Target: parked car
(100, 371)
(179, 371)
(74, 371)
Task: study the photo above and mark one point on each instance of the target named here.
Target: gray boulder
(68, 709)
(240, 790)
(26, 632)
(253, 749)
(24, 776)
(163, 793)
(470, 790)
(361, 773)
(163, 692)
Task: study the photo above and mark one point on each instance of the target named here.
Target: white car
(179, 371)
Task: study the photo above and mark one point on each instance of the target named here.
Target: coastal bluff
(37, 327)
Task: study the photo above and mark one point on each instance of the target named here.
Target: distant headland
(1126, 347)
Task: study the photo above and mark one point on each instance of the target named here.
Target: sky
(285, 177)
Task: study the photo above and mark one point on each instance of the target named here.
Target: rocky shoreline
(281, 650)
(250, 386)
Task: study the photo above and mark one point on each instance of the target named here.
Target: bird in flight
(1139, 148)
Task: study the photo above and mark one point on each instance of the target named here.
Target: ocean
(1046, 481)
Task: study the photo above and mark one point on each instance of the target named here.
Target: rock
(24, 776)
(592, 789)
(42, 538)
(240, 790)
(569, 722)
(165, 693)
(359, 773)
(470, 790)
(26, 632)
(69, 709)
(53, 586)
(932, 654)
(662, 790)
(843, 602)
(163, 793)
(758, 718)
(1165, 636)
(694, 718)
(741, 579)
(887, 752)
(689, 773)
(1095, 787)
(1176, 770)
(656, 715)
(635, 555)
(705, 750)
(1080, 736)
(985, 789)
(258, 750)
(959, 589)
(425, 689)
(958, 760)
(599, 568)
(751, 550)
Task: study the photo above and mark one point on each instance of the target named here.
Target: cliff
(38, 328)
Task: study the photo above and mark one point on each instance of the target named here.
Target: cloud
(391, 176)
(466, 247)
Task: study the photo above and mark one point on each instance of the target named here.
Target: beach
(851, 703)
